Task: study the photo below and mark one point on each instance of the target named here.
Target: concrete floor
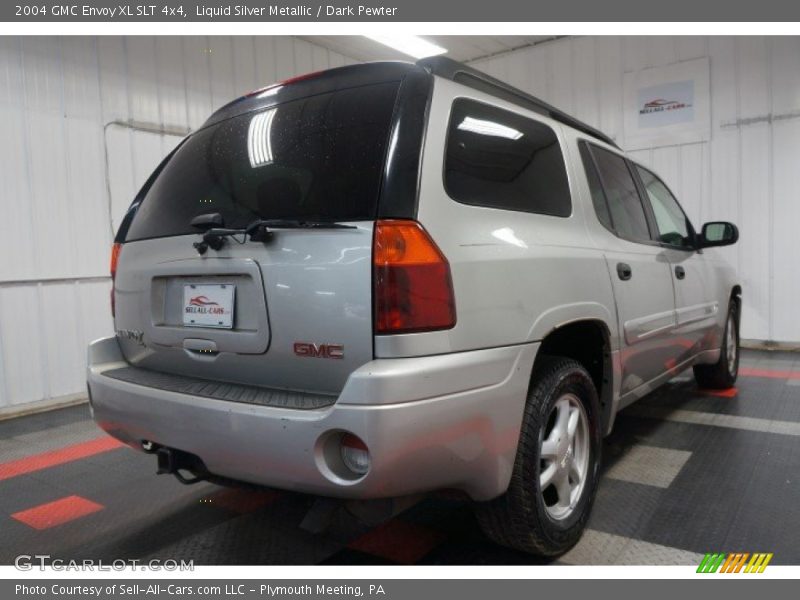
(686, 472)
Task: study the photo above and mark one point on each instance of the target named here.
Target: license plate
(208, 305)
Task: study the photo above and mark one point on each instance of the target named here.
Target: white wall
(748, 173)
(57, 96)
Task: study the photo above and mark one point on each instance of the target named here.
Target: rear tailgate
(301, 313)
(293, 312)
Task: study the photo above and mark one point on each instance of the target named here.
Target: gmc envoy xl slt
(386, 279)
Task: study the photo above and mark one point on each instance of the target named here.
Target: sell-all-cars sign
(666, 104)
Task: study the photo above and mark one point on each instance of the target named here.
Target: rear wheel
(723, 373)
(552, 488)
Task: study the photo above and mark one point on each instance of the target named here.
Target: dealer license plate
(208, 305)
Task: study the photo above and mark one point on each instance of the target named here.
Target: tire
(527, 517)
(723, 374)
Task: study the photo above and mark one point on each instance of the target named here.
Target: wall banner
(667, 105)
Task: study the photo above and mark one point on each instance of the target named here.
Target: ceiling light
(409, 44)
(489, 128)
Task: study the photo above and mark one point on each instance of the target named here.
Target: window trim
(559, 141)
(634, 176)
(651, 215)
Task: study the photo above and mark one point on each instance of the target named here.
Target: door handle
(679, 272)
(624, 271)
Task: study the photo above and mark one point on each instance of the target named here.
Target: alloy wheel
(564, 456)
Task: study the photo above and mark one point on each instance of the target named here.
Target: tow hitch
(177, 462)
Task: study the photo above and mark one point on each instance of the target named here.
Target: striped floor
(686, 472)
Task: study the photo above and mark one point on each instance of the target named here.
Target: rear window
(317, 158)
(595, 188)
(624, 203)
(499, 159)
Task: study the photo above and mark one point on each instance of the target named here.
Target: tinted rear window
(595, 188)
(499, 159)
(624, 204)
(317, 158)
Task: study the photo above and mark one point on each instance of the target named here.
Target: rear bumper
(448, 421)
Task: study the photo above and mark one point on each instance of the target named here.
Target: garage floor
(685, 472)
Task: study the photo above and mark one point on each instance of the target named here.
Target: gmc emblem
(310, 350)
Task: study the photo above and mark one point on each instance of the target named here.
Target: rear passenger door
(638, 267)
(693, 278)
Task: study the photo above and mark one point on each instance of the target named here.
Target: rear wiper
(295, 224)
(259, 230)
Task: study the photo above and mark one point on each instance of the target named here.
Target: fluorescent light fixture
(409, 44)
(489, 128)
(259, 144)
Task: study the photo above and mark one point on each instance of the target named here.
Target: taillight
(413, 286)
(115, 249)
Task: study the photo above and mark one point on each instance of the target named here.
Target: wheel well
(588, 343)
(736, 296)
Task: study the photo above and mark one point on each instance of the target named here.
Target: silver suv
(390, 278)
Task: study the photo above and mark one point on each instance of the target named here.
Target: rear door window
(499, 159)
(595, 188)
(316, 158)
(621, 196)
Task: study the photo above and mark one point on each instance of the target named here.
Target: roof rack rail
(460, 73)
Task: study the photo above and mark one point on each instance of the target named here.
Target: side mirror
(718, 233)
(206, 221)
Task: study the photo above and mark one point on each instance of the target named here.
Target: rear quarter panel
(516, 275)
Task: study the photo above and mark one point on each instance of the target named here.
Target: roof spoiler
(460, 73)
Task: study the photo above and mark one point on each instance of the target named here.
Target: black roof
(315, 83)
(385, 71)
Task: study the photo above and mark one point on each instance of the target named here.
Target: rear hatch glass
(316, 158)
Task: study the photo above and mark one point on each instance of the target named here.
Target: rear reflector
(355, 454)
(413, 286)
(115, 250)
